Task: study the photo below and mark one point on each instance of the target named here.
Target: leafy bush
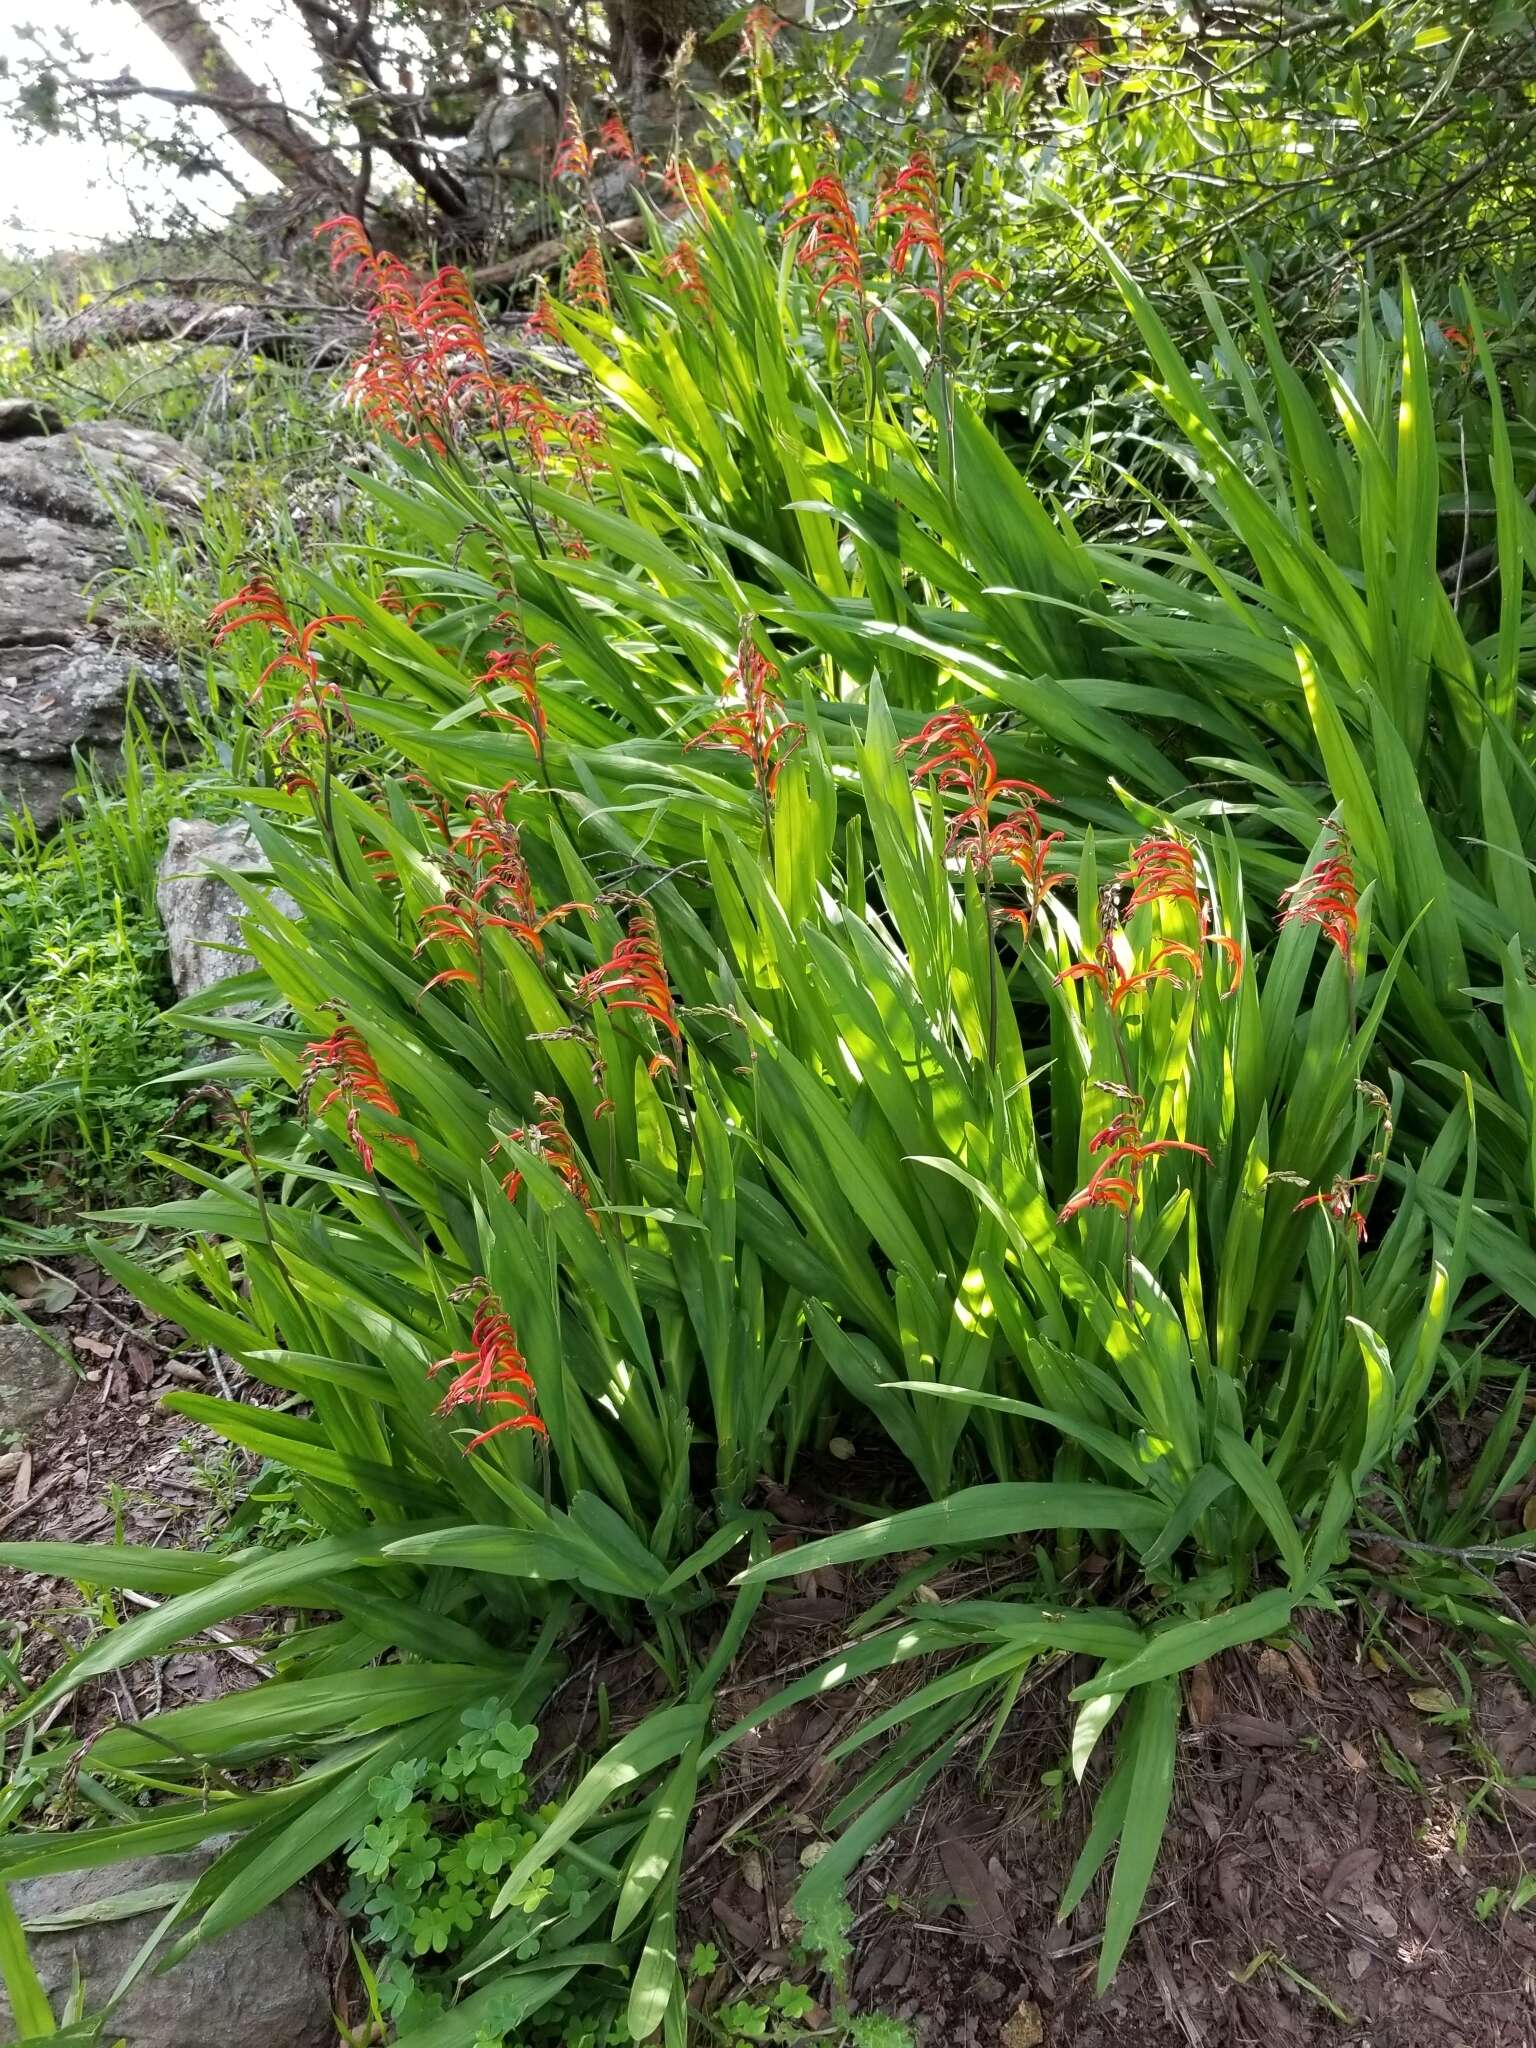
(709, 1036)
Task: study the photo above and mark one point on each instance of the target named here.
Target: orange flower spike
(1232, 949)
(495, 1374)
(759, 27)
(573, 159)
(681, 268)
(587, 281)
(1115, 1182)
(758, 730)
(519, 666)
(550, 1141)
(1161, 870)
(615, 141)
(1327, 896)
(829, 248)
(356, 1081)
(634, 977)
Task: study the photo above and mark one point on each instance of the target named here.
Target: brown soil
(1335, 1827)
(114, 1465)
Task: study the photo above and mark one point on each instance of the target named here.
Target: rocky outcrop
(200, 912)
(63, 678)
(265, 1984)
(34, 1380)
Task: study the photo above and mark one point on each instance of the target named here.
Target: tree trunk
(258, 123)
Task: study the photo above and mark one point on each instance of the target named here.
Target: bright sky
(58, 193)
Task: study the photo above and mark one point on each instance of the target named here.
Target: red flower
(1327, 895)
(454, 922)
(690, 182)
(614, 141)
(573, 159)
(542, 320)
(913, 199)
(1161, 870)
(953, 750)
(759, 27)
(634, 977)
(1340, 1201)
(757, 730)
(682, 267)
(354, 1073)
(1115, 1181)
(495, 1374)
(549, 1140)
(518, 666)
(587, 282)
(1116, 984)
(505, 886)
(829, 230)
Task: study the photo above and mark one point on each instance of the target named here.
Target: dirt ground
(1342, 1866)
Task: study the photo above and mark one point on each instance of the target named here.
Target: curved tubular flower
(616, 142)
(1161, 870)
(1122, 1153)
(495, 1374)
(952, 751)
(1327, 896)
(573, 159)
(757, 728)
(1341, 1201)
(550, 1141)
(682, 268)
(356, 1081)
(913, 199)
(502, 895)
(518, 666)
(634, 977)
(829, 230)
(587, 281)
(453, 922)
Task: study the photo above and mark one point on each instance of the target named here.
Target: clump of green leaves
(427, 1869)
(84, 985)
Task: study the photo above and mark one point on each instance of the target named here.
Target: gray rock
(65, 475)
(33, 1380)
(63, 681)
(201, 914)
(265, 1984)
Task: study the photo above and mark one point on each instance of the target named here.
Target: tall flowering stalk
(913, 201)
(315, 703)
(519, 668)
(344, 1059)
(503, 889)
(1115, 1183)
(549, 1140)
(953, 753)
(427, 373)
(682, 269)
(829, 249)
(634, 977)
(587, 282)
(754, 726)
(493, 1375)
(1328, 896)
(573, 158)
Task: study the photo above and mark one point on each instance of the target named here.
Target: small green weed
(83, 985)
